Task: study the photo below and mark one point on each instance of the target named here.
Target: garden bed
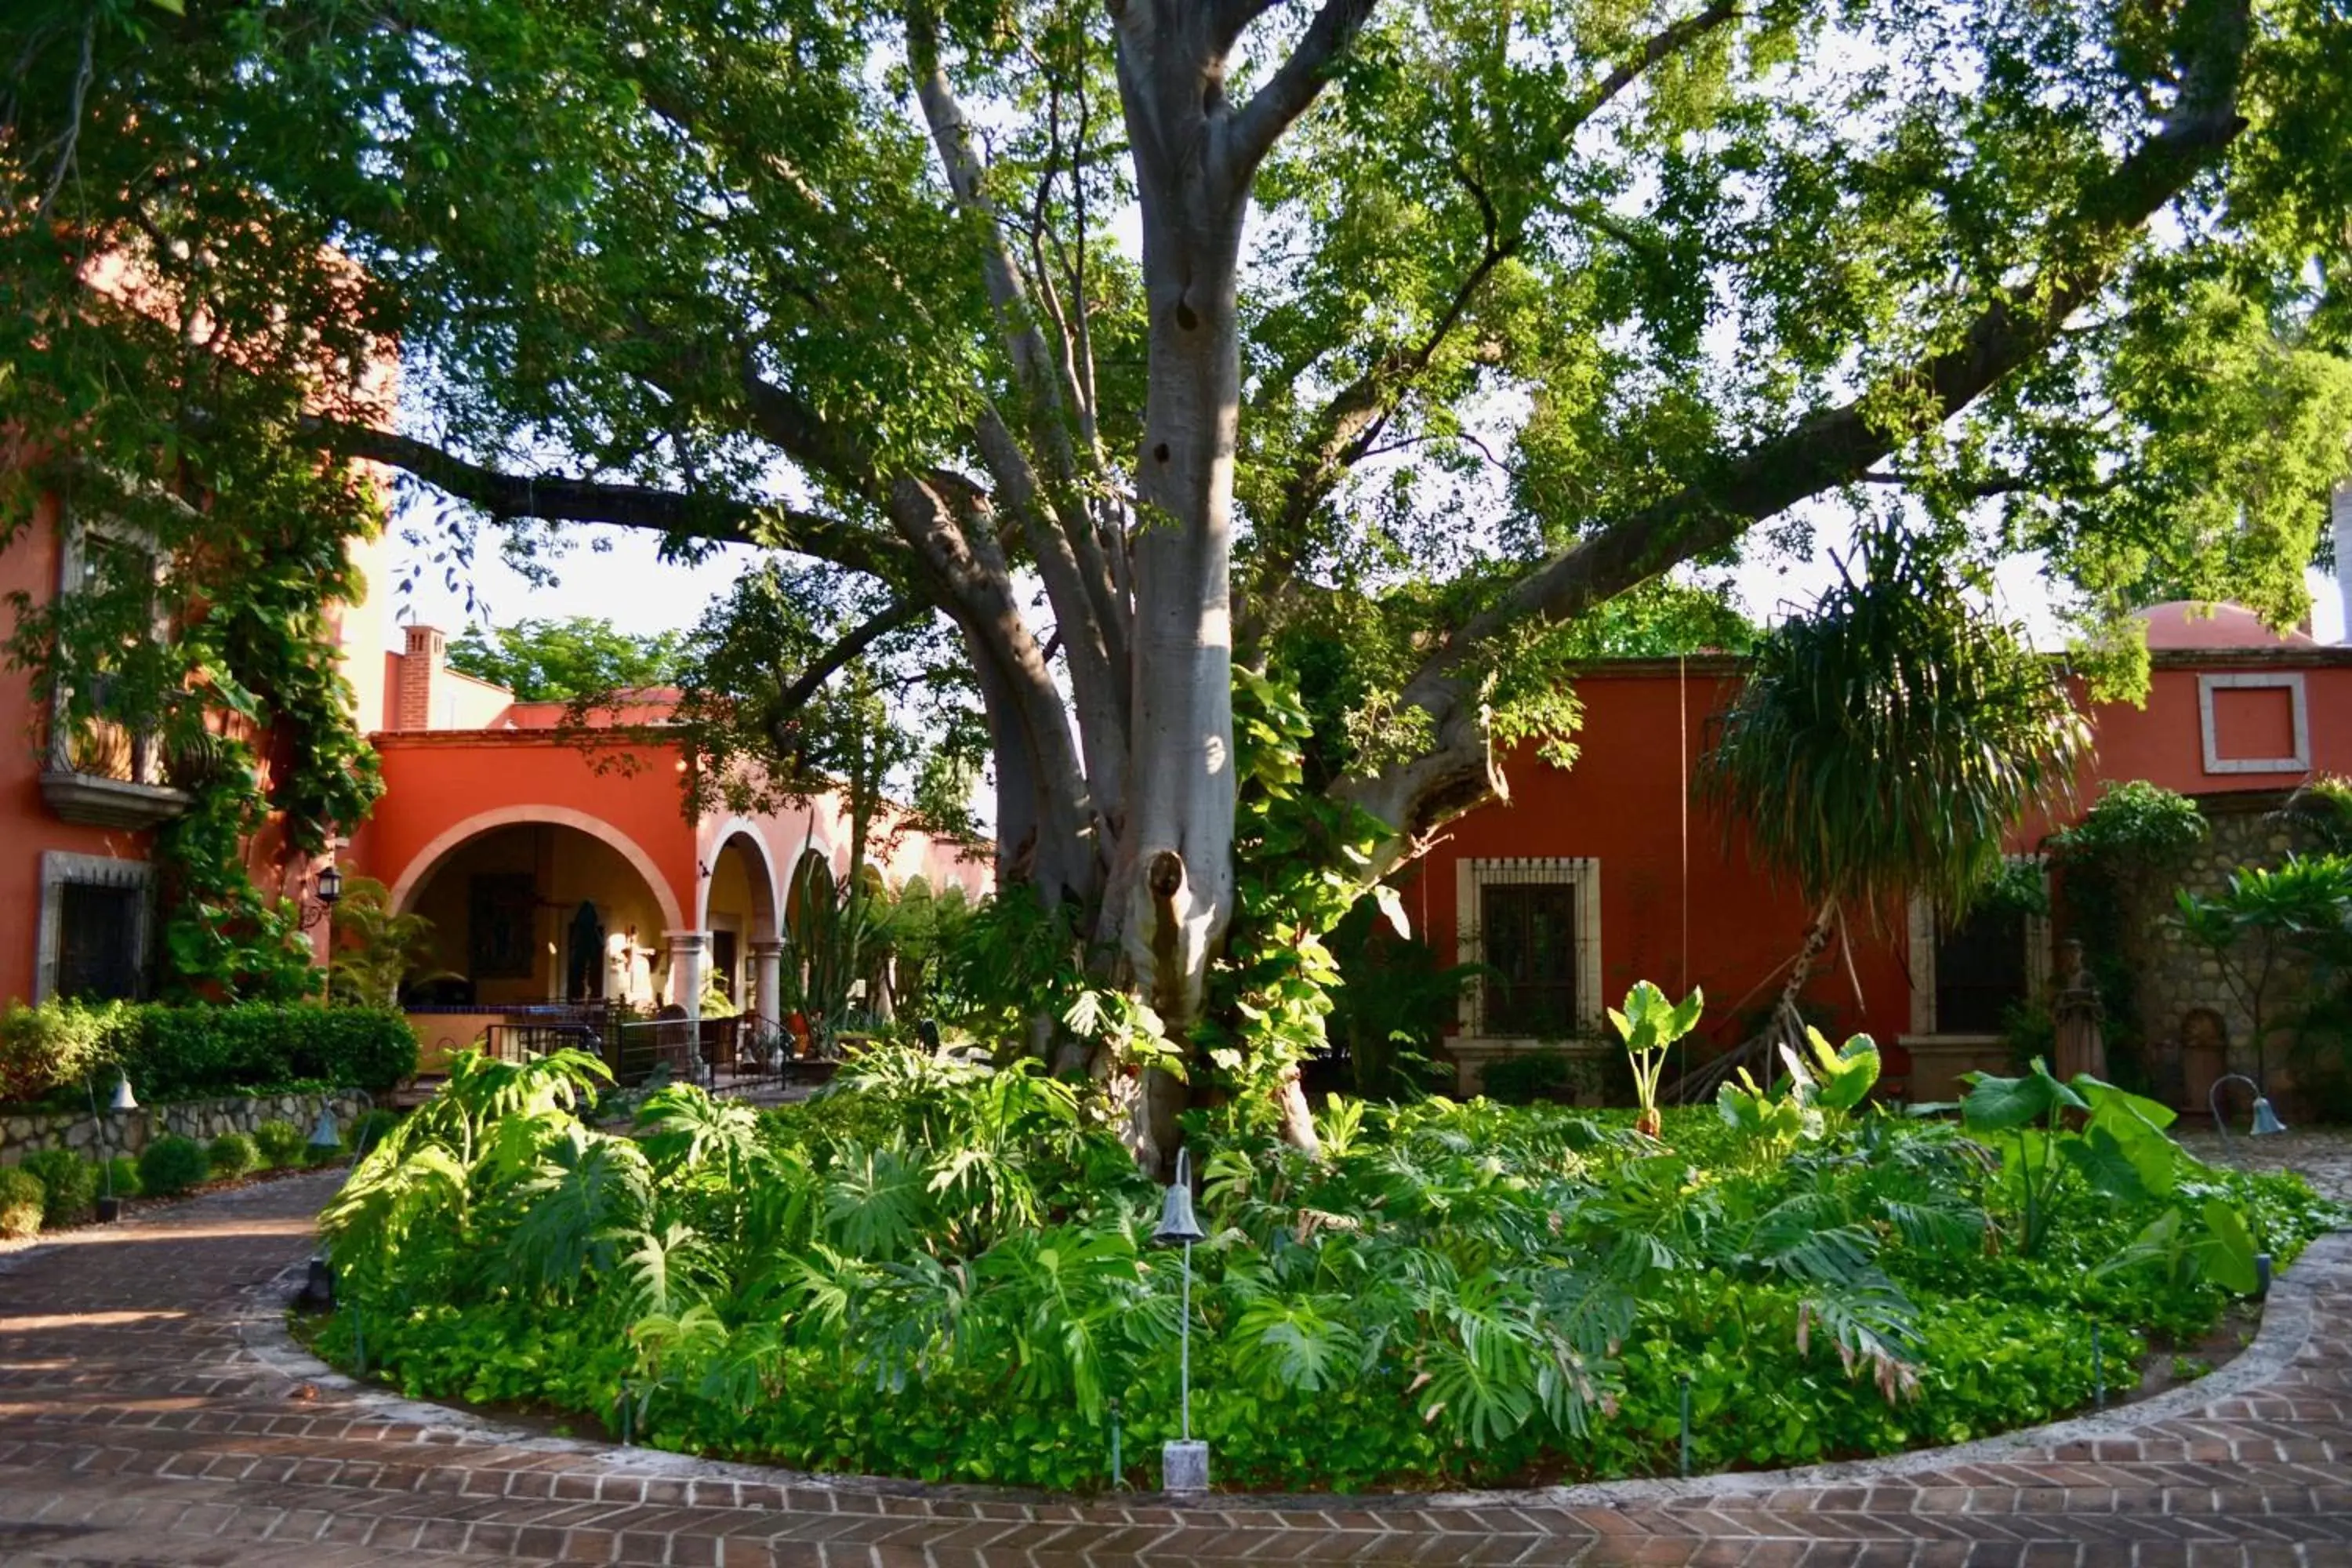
(944, 1273)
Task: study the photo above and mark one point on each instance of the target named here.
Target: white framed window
(2220, 691)
(98, 928)
(1537, 922)
(1965, 977)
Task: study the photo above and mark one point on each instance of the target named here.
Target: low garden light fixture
(110, 1207)
(2265, 1120)
(1184, 1463)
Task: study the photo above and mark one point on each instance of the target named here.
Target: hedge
(196, 1052)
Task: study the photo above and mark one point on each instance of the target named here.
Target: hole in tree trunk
(1185, 318)
(1160, 451)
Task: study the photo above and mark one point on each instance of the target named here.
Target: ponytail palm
(1886, 742)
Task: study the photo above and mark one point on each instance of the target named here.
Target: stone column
(767, 983)
(686, 950)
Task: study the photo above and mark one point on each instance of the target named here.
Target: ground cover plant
(941, 1270)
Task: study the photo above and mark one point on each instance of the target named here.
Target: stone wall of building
(203, 1119)
(2183, 992)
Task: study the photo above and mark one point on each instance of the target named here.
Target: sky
(628, 586)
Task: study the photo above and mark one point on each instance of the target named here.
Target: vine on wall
(2135, 837)
(165, 413)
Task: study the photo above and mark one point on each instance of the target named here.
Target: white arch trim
(428, 859)
(732, 829)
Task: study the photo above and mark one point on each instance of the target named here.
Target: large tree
(1416, 327)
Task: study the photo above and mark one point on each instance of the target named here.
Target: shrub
(280, 1143)
(195, 1052)
(370, 1128)
(171, 1165)
(43, 1049)
(121, 1175)
(21, 1198)
(69, 1181)
(1524, 1077)
(232, 1154)
(1451, 1293)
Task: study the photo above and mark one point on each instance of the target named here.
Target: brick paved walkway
(153, 1411)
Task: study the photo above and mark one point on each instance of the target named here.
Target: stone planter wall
(203, 1119)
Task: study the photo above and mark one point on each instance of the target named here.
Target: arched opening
(534, 912)
(739, 911)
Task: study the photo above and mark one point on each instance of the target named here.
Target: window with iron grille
(1980, 971)
(1532, 925)
(98, 942)
(1530, 938)
(96, 930)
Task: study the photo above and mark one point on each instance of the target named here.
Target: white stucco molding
(2290, 681)
(427, 861)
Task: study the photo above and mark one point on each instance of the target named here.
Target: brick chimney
(420, 679)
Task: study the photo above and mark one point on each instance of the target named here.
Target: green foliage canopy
(575, 659)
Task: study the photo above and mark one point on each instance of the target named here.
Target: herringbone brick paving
(152, 1412)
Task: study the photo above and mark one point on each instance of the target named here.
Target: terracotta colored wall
(1622, 803)
(434, 783)
(26, 829)
(2161, 742)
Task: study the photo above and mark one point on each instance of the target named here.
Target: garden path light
(1184, 1463)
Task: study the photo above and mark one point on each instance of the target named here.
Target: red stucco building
(554, 868)
(526, 845)
(1593, 877)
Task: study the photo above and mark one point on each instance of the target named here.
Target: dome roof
(2195, 624)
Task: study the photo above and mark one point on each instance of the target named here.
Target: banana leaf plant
(2060, 1142)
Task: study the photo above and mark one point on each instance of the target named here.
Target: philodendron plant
(1649, 1026)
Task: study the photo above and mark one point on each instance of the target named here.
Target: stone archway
(509, 893)
(739, 910)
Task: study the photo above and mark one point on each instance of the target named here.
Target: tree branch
(793, 698)
(1668, 40)
(1292, 90)
(557, 499)
(1835, 446)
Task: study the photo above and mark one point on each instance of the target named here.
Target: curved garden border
(2287, 1326)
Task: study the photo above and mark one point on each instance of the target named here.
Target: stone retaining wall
(22, 1133)
(2178, 980)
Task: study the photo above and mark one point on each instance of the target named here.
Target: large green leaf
(1996, 1104)
(2104, 1163)
(2228, 1253)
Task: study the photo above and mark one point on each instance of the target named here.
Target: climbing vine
(158, 404)
(2134, 835)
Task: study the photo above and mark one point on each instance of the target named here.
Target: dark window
(1979, 971)
(723, 963)
(502, 906)
(97, 942)
(1529, 931)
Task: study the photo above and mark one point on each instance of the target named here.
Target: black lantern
(330, 884)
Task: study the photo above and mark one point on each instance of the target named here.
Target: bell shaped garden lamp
(110, 1207)
(2265, 1120)
(1184, 1463)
